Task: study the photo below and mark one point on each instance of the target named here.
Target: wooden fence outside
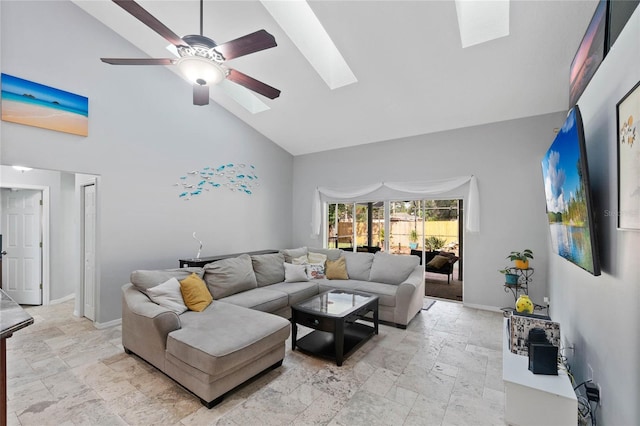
(400, 233)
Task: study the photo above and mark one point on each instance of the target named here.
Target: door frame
(81, 183)
(45, 225)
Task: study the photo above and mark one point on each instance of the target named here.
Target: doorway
(443, 236)
(22, 251)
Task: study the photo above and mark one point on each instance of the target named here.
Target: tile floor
(444, 369)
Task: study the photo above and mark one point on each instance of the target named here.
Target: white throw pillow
(168, 296)
(302, 260)
(295, 273)
(317, 258)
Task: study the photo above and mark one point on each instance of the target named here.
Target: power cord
(585, 409)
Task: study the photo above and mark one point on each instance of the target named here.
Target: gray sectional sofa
(243, 331)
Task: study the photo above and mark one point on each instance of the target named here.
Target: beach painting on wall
(34, 104)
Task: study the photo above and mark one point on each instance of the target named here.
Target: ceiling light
(480, 21)
(22, 168)
(305, 31)
(201, 71)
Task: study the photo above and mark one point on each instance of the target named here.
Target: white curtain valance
(424, 189)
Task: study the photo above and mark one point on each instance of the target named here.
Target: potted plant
(413, 237)
(521, 259)
(509, 277)
(435, 243)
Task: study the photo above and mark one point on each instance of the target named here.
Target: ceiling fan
(202, 61)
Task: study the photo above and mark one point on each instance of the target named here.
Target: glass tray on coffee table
(334, 317)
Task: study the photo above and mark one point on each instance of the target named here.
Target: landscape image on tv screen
(568, 197)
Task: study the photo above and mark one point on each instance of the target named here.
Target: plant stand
(524, 278)
(522, 287)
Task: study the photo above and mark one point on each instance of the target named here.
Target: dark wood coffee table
(333, 316)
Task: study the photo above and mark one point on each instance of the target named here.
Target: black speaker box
(543, 358)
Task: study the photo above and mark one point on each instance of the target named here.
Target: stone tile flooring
(444, 369)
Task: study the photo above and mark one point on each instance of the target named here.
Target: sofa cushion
(295, 273)
(392, 268)
(195, 293)
(268, 268)
(386, 292)
(326, 285)
(297, 291)
(289, 254)
(225, 337)
(144, 279)
(261, 299)
(336, 269)
(332, 254)
(358, 265)
(230, 276)
(168, 296)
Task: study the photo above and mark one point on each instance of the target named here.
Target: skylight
(305, 30)
(482, 20)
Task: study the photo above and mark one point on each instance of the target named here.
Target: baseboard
(482, 307)
(62, 299)
(103, 325)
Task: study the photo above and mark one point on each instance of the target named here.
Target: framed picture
(34, 104)
(628, 114)
(590, 54)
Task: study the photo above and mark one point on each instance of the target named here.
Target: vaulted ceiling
(413, 76)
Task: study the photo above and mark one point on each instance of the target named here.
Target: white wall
(600, 315)
(62, 257)
(505, 157)
(144, 134)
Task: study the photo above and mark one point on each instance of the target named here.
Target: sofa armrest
(145, 326)
(410, 296)
(139, 304)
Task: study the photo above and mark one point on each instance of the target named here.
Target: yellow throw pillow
(336, 269)
(195, 293)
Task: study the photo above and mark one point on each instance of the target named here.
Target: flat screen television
(568, 196)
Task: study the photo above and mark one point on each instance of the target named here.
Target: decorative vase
(510, 279)
(524, 304)
(413, 246)
(522, 264)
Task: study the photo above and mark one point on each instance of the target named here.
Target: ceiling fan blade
(139, 61)
(254, 42)
(253, 84)
(150, 21)
(200, 95)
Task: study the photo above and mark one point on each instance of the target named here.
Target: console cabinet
(535, 399)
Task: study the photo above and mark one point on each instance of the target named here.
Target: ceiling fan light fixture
(201, 71)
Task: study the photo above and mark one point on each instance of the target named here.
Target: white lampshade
(200, 70)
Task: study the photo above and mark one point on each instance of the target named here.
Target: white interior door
(22, 239)
(89, 250)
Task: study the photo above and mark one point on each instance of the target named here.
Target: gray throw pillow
(144, 279)
(230, 276)
(358, 265)
(269, 268)
(392, 268)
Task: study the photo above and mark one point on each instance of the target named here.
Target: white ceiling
(413, 75)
